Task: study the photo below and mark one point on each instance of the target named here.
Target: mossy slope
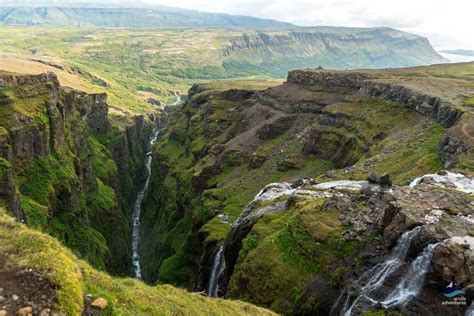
(21, 247)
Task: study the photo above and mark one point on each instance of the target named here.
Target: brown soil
(25, 287)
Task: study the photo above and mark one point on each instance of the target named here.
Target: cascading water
(412, 281)
(381, 271)
(252, 212)
(137, 209)
(218, 267)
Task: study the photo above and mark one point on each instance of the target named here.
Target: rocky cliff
(332, 47)
(204, 228)
(66, 170)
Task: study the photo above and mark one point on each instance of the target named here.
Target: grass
(22, 247)
(286, 250)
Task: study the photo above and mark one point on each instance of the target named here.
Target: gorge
(324, 194)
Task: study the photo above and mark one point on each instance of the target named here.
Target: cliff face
(66, 170)
(361, 83)
(300, 241)
(332, 47)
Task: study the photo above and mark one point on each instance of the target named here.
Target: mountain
(113, 14)
(160, 63)
(275, 53)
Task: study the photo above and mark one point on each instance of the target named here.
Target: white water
(345, 184)
(218, 268)
(459, 181)
(470, 310)
(272, 192)
(411, 283)
(382, 271)
(137, 209)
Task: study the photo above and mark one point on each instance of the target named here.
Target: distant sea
(457, 58)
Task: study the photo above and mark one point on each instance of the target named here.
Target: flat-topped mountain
(123, 15)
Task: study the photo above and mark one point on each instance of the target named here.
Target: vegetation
(24, 248)
(134, 65)
(285, 251)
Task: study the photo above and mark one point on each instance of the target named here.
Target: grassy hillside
(137, 67)
(24, 249)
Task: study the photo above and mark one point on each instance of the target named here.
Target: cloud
(449, 24)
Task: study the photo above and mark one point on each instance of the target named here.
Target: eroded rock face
(439, 110)
(437, 216)
(61, 132)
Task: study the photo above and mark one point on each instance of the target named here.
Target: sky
(448, 24)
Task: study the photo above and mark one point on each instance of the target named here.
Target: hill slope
(34, 264)
(83, 15)
(137, 67)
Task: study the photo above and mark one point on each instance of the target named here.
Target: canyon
(327, 193)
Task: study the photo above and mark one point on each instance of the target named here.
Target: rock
(15, 297)
(3, 312)
(99, 303)
(443, 173)
(2, 298)
(372, 178)
(256, 161)
(385, 180)
(28, 310)
(45, 312)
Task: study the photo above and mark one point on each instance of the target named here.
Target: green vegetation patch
(286, 250)
(22, 247)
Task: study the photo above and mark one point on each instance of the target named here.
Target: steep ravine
(296, 251)
(67, 170)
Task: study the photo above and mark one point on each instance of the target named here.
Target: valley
(163, 161)
(142, 68)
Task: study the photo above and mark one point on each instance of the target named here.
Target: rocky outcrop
(80, 165)
(426, 235)
(366, 84)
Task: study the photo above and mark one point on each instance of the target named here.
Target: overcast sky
(448, 24)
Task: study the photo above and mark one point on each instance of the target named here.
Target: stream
(137, 207)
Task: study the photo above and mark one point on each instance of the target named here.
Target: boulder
(99, 303)
(28, 310)
(385, 180)
(372, 178)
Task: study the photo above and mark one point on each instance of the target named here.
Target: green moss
(284, 251)
(36, 214)
(216, 230)
(73, 279)
(102, 198)
(104, 167)
(4, 167)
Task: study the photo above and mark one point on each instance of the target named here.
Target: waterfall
(253, 212)
(412, 281)
(470, 310)
(137, 209)
(381, 271)
(218, 268)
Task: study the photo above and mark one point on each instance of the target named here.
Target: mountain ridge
(123, 16)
